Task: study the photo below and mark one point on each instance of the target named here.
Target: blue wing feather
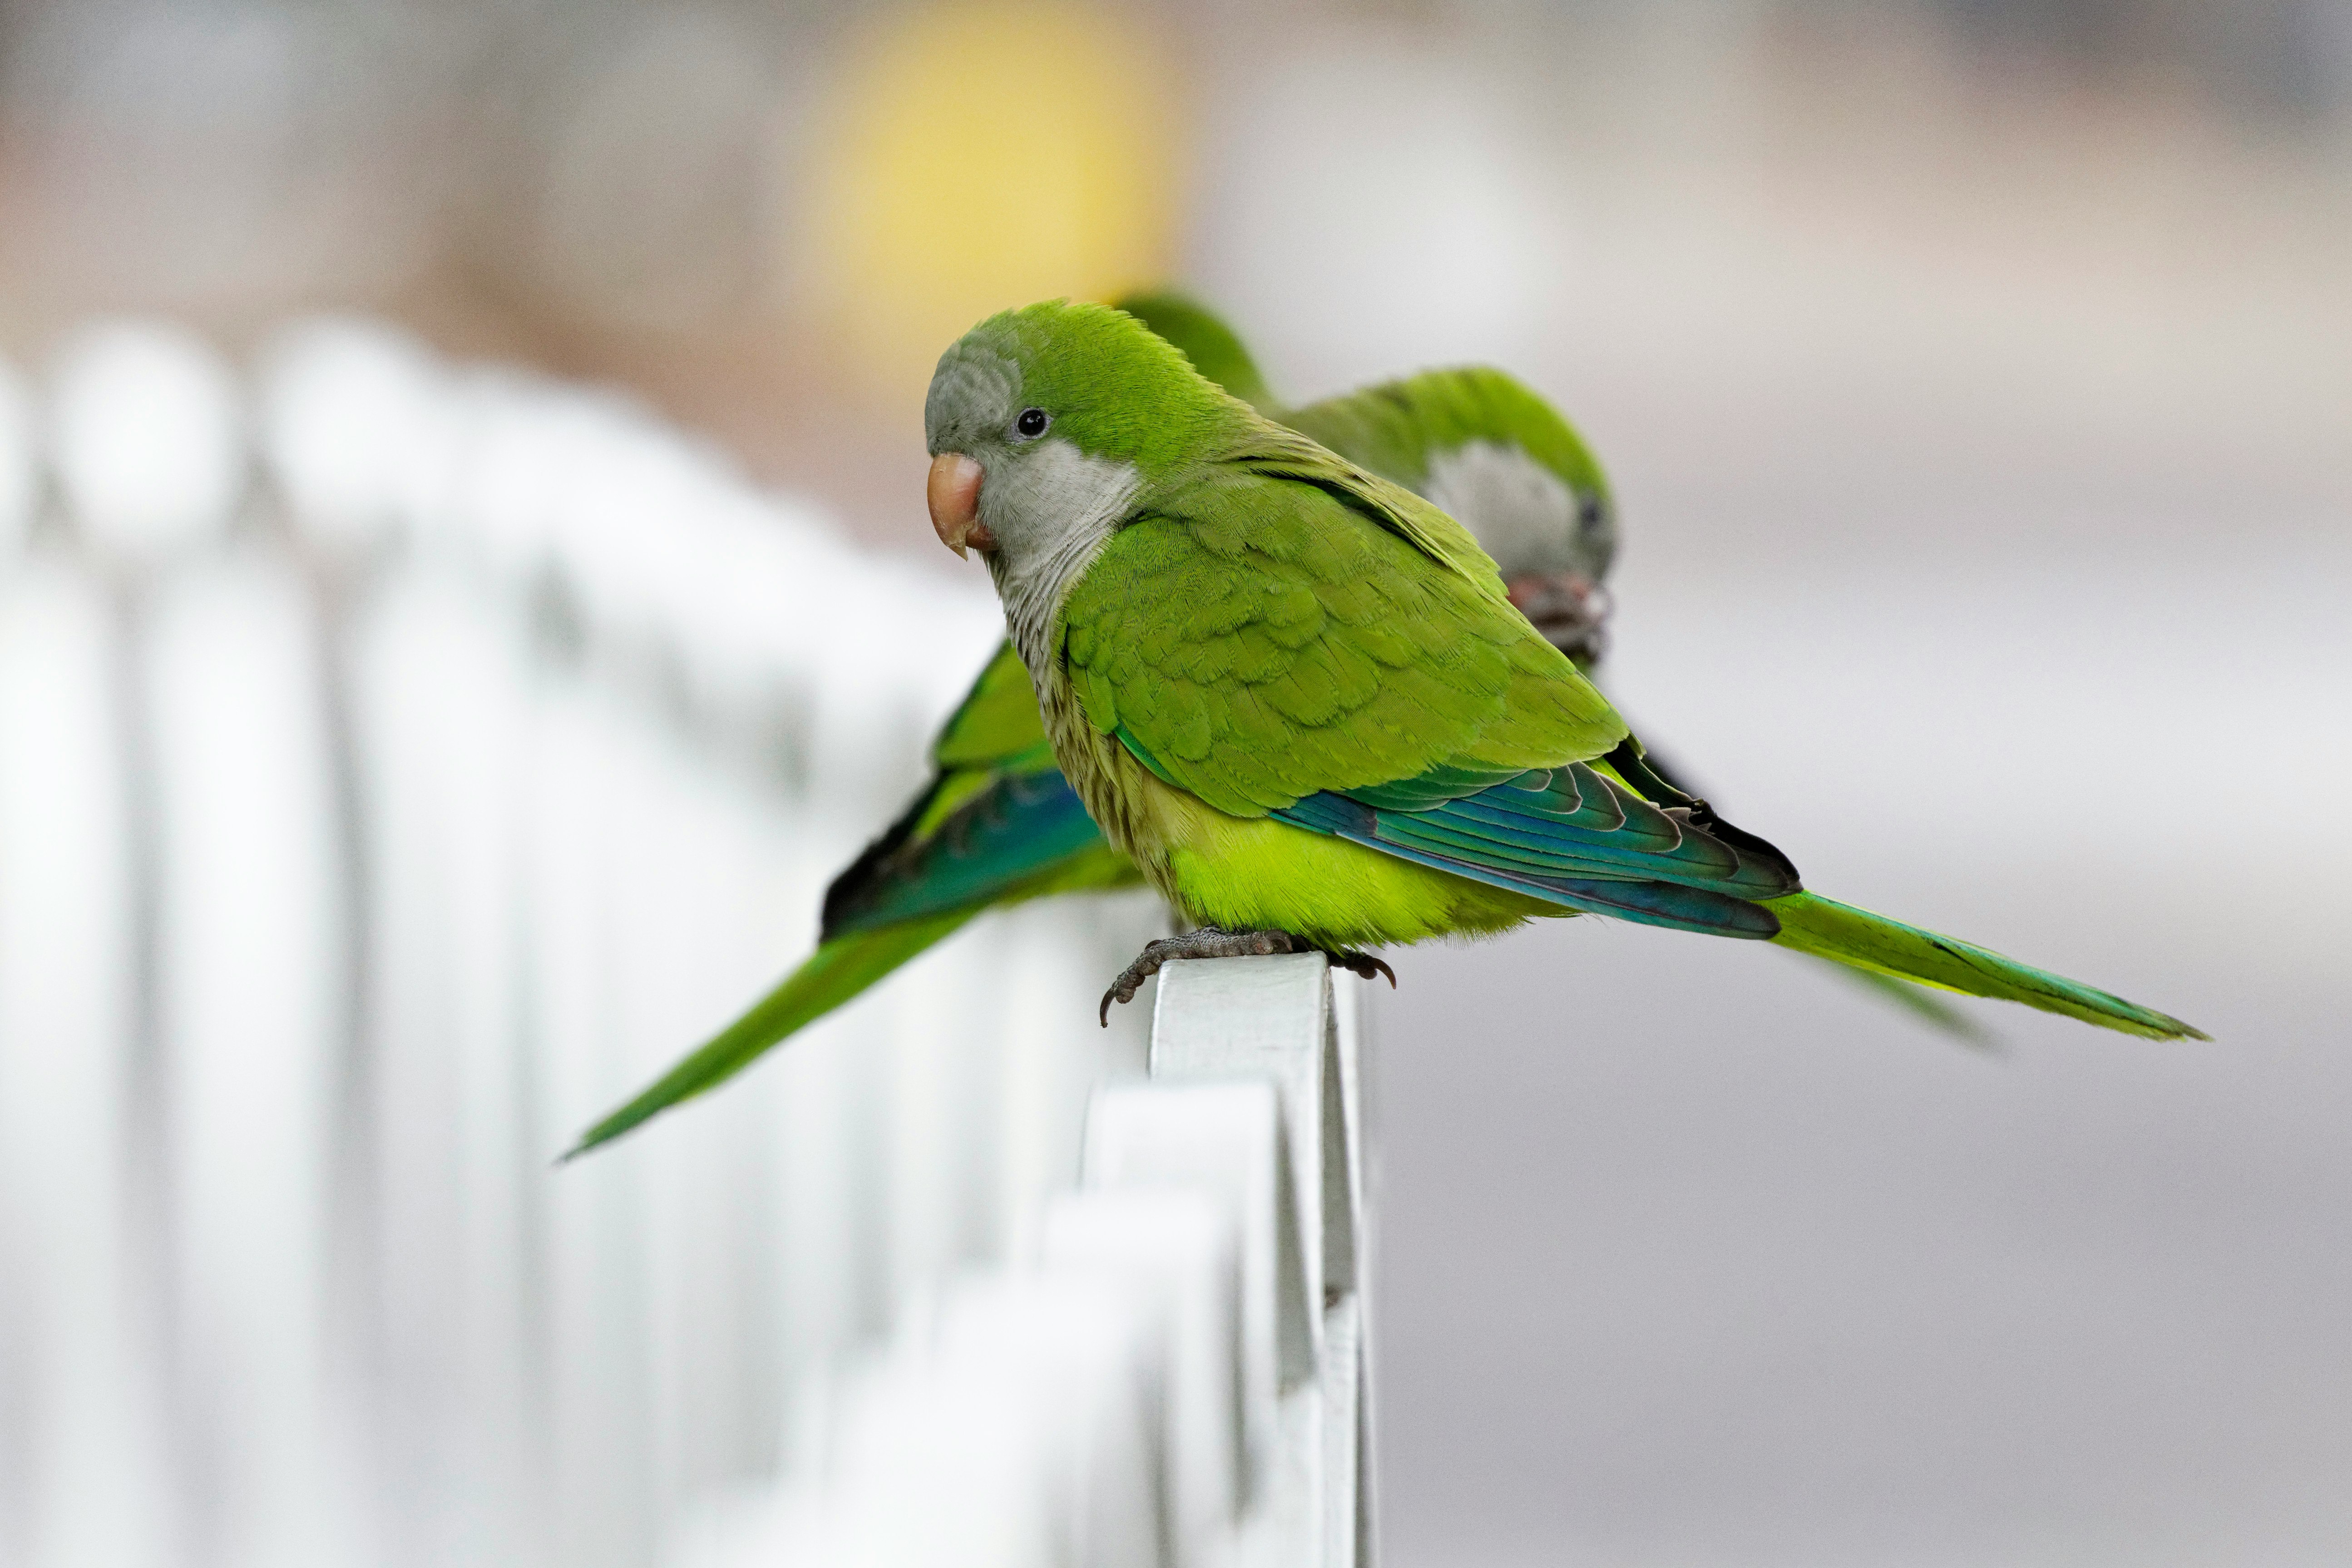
(1021, 826)
(1571, 836)
(1663, 904)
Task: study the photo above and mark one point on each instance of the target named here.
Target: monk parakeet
(1296, 695)
(998, 824)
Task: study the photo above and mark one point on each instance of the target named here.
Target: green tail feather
(1923, 1004)
(834, 973)
(1829, 929)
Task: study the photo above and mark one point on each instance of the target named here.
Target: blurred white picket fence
(399, 763)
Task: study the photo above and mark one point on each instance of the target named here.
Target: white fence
(399, 764)
(1176, 1375)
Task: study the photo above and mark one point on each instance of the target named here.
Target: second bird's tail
(1840, 932)
(837, 971)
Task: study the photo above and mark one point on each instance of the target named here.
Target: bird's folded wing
(1578, 837)
(1259, 637)
(997, 723)
(1020, 834)
(993, 743)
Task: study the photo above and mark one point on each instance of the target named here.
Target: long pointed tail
(1921, 1002)
(837, 971)
(1840, 932)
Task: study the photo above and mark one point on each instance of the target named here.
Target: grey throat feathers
(1052, 512)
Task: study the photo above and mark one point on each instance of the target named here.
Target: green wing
(995, 733)
(1014, 836)
(997, 725)
(1286, 623)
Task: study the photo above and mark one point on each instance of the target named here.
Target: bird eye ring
(1031, 423)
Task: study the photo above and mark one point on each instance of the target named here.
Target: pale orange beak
(954, 496)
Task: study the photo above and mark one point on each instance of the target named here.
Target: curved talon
(1364, 965)
(1122, 990)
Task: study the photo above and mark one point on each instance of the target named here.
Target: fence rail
(399, 762)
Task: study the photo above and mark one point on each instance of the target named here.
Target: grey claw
(1206, 942)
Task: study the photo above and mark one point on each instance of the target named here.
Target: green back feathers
(1270, 451)
(1255, 635)
(1215, 349)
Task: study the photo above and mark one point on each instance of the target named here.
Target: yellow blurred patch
(972, 157)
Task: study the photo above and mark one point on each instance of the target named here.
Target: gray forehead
(972, 391)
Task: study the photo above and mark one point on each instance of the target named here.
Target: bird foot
(1209, 942)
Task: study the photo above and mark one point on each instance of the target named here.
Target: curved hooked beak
(954, 496)
(1568, 607)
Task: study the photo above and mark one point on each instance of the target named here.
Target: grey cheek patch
(1057, 507)
(1524, 515)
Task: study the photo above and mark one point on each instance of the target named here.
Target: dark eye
(1031, 425)
(1590, 514)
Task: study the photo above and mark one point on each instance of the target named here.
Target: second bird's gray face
(1527, 517)
(1551, 541)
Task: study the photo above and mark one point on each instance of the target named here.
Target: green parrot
(998, 824)
(1296, 695)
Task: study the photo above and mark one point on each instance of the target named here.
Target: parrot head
(1043, 423)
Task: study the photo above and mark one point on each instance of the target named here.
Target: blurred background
(1976, 381)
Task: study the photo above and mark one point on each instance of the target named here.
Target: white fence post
(602, 719)
(80, 1369)
(1273, 1018)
